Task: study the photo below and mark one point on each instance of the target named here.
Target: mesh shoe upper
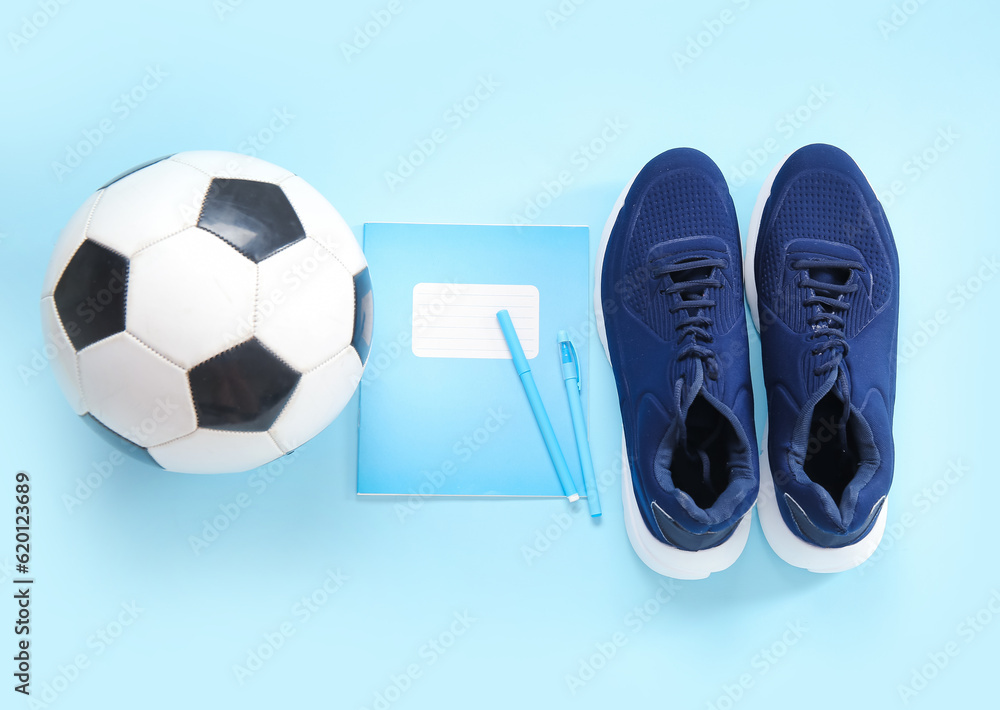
(672, 296)
(827, 278)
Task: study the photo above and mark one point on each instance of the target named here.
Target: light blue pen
(571, 374)
(537, 408)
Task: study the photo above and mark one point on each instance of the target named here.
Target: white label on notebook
(460, 320)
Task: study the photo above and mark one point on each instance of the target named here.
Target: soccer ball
(211, 309)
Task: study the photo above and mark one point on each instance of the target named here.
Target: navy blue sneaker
(822, 280)
(670, 313)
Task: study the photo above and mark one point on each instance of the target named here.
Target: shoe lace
(691, 280)
(829, 308)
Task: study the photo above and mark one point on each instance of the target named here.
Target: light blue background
(886, 96)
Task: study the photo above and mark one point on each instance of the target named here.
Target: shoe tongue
(825, 250)
(701, 246)
(830, 276)
(702, 272)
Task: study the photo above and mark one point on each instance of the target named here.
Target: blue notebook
(442, 410)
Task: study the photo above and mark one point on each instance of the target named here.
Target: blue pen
(571, 375)
(537, 408)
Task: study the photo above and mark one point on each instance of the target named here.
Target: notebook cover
(442, 410)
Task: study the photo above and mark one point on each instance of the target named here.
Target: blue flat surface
(499, 603)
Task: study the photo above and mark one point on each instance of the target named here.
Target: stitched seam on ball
(76, 354)
(277, 419)
(226, 242)
(115, 431)
(286, 246)
(256, 300)
(176, 438)
(174, 159)
(281, 448)
(333, 254)
(156, 241)
(86, 229)
(190, 395)
(190, 392)
(187, 384)
(280, 359)
(330, 359)
(295, 391)
(226, 176)
(233, 347)
(200, 428)
(310, 236)
(90, 215)
(153, 350)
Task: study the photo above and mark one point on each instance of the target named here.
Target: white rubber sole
(670, 561)
(658, 556)
(599, 267)
(786, 544)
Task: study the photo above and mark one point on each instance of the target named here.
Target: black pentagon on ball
(90, 294)
(242, 389)
(363, 312)
(254, 217)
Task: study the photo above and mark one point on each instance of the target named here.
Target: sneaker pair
(822, 282)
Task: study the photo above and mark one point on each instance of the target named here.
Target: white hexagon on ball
(190, 296)
(147, 205)
(300, 314)
(136, 393)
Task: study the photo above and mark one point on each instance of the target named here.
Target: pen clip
(576, 364)
(573, 358)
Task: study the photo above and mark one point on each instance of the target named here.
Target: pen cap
(513, 342)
